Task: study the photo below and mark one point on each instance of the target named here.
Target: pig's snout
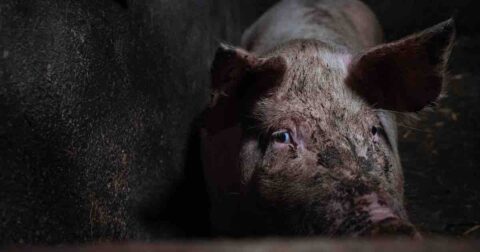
(375, 217)
(392, 227)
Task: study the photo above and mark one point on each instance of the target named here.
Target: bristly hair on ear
(411, 119)
(238, 78)
(407, 77)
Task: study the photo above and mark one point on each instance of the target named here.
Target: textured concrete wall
(96, 104)
(97, 100)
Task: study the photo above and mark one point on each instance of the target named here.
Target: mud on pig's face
(300, 141)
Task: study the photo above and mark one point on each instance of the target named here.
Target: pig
(300, 138)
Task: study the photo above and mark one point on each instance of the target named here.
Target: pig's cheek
(250, 156)
(281, 147)
(277, 158)
(285, 152)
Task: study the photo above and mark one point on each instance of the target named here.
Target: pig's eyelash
(380, 131)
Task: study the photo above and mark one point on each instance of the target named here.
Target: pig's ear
(406, 75)
(238, 79)
(229, 67)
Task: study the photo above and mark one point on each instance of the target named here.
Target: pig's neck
(345, 24)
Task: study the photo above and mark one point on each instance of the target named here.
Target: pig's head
(302, 140)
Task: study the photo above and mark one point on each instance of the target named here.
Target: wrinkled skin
(299, 139)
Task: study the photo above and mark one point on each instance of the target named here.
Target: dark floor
(266, 245)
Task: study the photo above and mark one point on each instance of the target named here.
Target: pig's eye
(282, 137)
(379, 132)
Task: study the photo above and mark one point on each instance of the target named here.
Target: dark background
(98, 100)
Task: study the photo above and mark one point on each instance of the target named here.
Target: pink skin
(299, 138)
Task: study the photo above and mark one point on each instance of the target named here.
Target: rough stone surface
(97, 99)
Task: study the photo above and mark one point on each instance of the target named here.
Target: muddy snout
(377, 218)
(392, 227)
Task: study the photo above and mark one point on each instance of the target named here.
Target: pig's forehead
(313, 53)
(325, 112)
(314, 86)
(314, 69)
(315, 80)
